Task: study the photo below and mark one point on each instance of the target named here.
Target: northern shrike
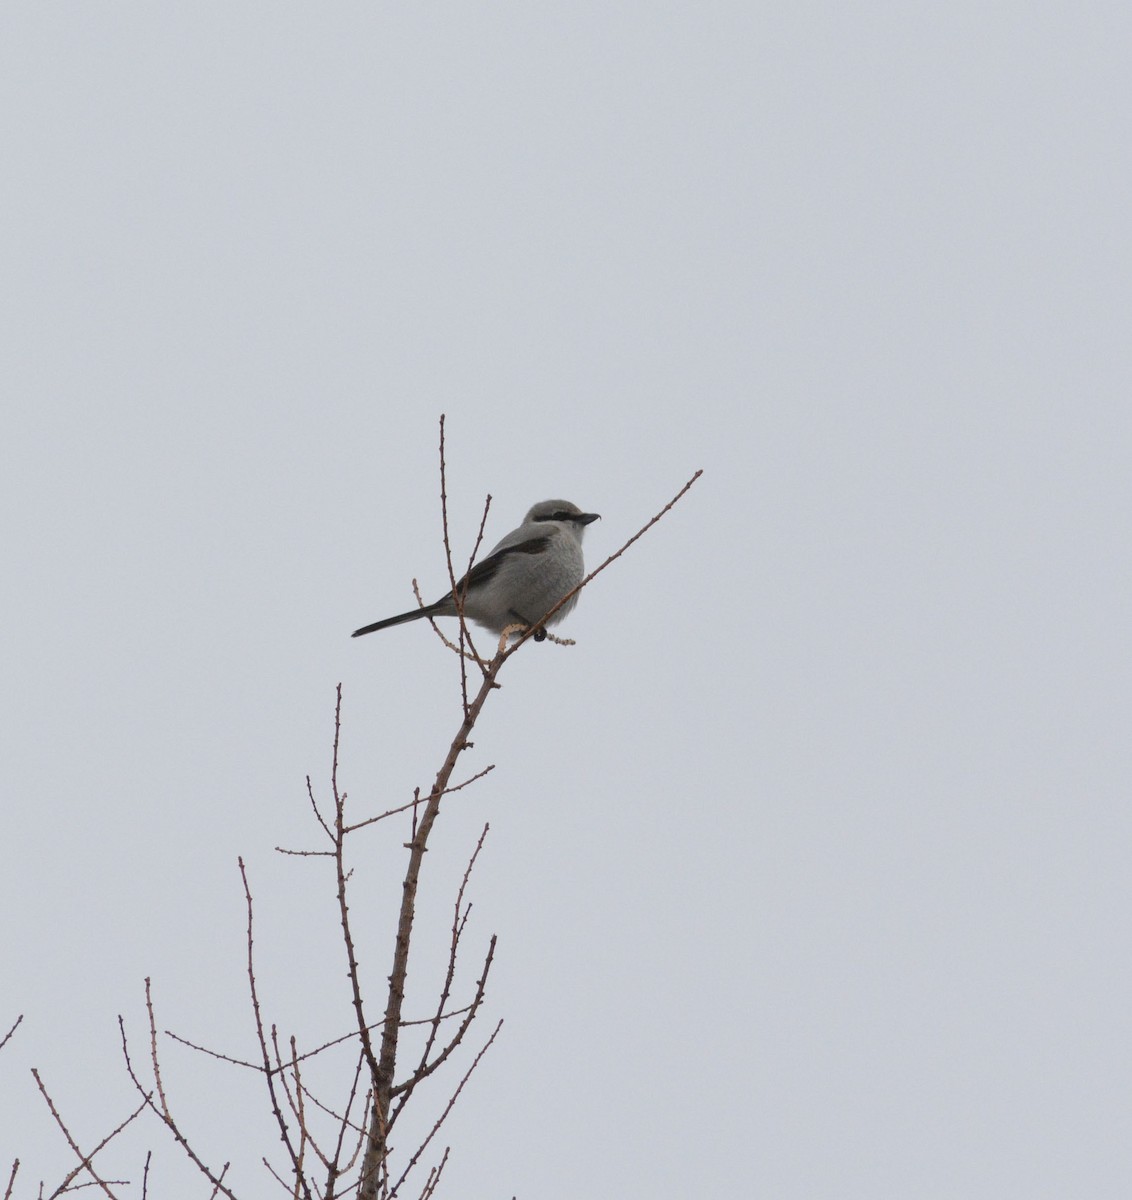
(524, 576)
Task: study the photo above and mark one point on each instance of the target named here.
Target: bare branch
(268, 1071)
(86, 1161)
(440, 632)
(293, 1103)
(343, 905)
(301, 1116)
(236, 1062)
(434, 1176)
(463, 599)
(459, 597)
(218, 1186)
(452, 1012)
(153, 1047)
(446, 989)
(334, 1168)
(447, 1109)
(8, 1036)
(276, 1176)
(360, 1130)
(165, 1115)
(314, 803)
(392, 812)
(404, 1090)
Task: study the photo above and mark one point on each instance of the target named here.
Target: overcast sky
(809, 863)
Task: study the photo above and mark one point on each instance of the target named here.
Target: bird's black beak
(587, 518)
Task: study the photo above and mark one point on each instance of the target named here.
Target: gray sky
(809, 863)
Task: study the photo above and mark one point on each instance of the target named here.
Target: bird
(522, 579)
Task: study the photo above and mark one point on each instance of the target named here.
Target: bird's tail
(413, 614)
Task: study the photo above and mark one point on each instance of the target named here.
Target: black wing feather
(484, 571)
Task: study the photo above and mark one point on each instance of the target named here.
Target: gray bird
(523, 577)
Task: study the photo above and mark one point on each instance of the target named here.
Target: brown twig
(457, 598)
(86, 1161)
(361, 1131)
(275, 1175)
(343, 905)
(299, 1109)
(452, 1012)
(164, 1113)
(334, 1168)
(392, 812)
(458, 923)
(235, 1062)
(314, 804)
(459, 595)
(218, 1186)
(440, 632)
(447, 1109)
(434, 1176)
(294, 1098)
(464, 597)
(404, 1090)
(269, 1072)
(8, 1036)
(153, 1047)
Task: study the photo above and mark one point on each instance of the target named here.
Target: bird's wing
(483, 572)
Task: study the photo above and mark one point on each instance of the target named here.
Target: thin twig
(239, 1062)
(452, 1012)
(314, 803)
(153, 1047)
(166, 1117)
(447, 1109)
(218, 1186)
(301, 1116)
(343, 905)
(334, 1167)
(392, 812)
(86, 1161)
(7, 1037)
(440, 632)
(275, 1175)
(453, 948)
(434, 1176)
(464, 598)
(235, 1062)
(281, 1075)
(459, 597)
(268, 1071)
(405, 1089)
